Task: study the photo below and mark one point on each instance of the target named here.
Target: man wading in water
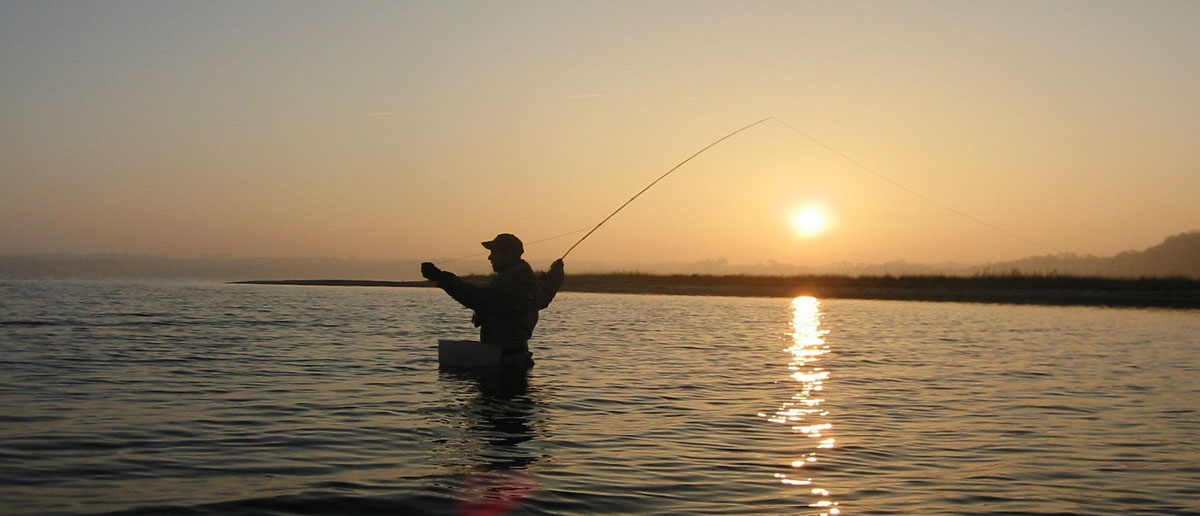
(506, 310)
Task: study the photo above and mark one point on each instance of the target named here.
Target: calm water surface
(195, 398)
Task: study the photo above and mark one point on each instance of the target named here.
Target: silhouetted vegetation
(1009, 280)
(990, 288)
(994, 288)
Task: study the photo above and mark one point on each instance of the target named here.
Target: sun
(809, 221)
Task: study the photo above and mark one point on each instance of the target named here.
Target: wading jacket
(506, 309)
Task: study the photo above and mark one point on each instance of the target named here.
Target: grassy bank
(1026, 289)
(1023, 289)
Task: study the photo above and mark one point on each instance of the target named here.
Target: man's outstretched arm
(470, 296)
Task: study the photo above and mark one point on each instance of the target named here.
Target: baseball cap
(505, 241)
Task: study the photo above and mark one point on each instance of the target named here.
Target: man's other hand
(430, 271)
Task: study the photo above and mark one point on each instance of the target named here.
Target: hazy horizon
(413, 130)
(1174, 257)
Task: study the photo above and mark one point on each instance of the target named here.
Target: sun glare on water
(809, 221)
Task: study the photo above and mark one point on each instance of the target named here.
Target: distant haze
(402, 131)
(1178, 256)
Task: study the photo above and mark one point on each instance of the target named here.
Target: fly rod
(660, 178)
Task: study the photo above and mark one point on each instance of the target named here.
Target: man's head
(506, 250)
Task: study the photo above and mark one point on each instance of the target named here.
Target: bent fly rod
(631, 199)
(660, 178)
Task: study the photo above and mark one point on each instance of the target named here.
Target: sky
(962, 131)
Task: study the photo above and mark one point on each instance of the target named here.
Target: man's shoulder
(521, 268)
(519, 274)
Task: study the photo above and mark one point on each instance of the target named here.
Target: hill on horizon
(1178, 255)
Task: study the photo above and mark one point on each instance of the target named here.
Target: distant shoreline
(1013, 289)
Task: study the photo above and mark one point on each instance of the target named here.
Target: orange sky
(415, 130)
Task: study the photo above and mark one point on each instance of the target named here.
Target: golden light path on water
(803, 412)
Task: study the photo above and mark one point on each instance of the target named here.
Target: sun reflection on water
(803, 412)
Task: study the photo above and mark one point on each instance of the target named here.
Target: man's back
(506, 309)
